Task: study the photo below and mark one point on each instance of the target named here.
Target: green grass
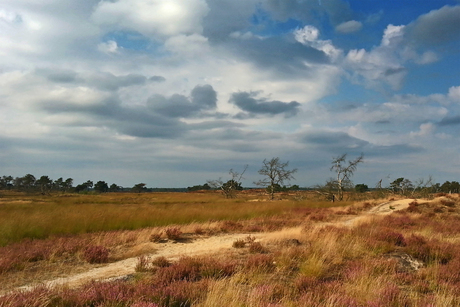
(25, 216)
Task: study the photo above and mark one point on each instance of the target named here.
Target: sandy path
(169, 250)
(201, 246)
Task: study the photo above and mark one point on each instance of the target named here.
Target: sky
(173, 93)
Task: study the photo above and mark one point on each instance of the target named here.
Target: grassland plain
(406, 258)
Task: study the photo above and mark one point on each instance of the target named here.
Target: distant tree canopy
(115, 188)
(205, 186)
(139, 188)
(450, 187)
(101, 187)
(361, 188)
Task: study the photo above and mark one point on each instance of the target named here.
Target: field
(200, 249)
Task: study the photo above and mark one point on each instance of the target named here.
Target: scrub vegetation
(409, 257)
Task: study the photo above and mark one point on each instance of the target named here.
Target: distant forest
(44, 185)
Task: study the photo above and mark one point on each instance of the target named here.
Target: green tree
(401, 186)
(45, 184)
(67, 185)
(26, 183)
(205, 186)
(275, 174)
(86, 186)
(6, 182)
(361, 188)
(138, 188)
(114, 188)
(101, 187)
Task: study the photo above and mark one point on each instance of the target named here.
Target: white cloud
(424, 130)
(188, 45)
(383, 64)
(392, 36)
(244, 36)
(454, 94)
(9, 17)
(308, 35)
(108, 47)
(349, 26)
(153, 18)
(427, 58)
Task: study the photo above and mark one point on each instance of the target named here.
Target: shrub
(173, 233)
(199, 230)
(305, 283)
(260, 262)
(256, 247)
(231, 226)
(447, 203)
(400, 221)
(194, 269)
(240, 243)
(142, 264)
(144, 304)
(155, 237)
(96, 254)
(161, 262)
(390, 236)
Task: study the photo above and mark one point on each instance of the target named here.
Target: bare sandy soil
(201, 246)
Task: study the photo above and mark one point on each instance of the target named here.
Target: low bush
(161, 262)
(96, 254)
(155, 237)
(260, 262)
(239, 243)
(390, 236)
(173, 233)
(256, 247)
(143, 263)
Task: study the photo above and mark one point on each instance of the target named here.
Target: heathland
(201, 249)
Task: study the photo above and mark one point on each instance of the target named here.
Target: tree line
(274, 172)
(45, 185)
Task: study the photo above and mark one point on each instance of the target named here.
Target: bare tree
(275, 174)
(230, 187)
(344, 172)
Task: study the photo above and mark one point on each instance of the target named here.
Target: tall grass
(327, 266)
(39, 217)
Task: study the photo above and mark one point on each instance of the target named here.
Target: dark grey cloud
(249, 103)
(437, 26)
(394, 71)
(284, 55)
(392, 150)
(334, 142)
(214, 124)
(157, 79)
(102, 80)
(450, 121)
(109, 82)
(57, 75)
(134, 121)
(227, 16)
(158, 118)
(337, 11)
(202, 98)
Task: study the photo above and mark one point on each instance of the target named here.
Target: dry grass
(315, 264)
(38, 217)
